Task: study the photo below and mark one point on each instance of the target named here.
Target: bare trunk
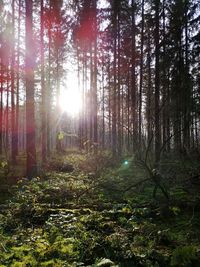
(43, 89)
(30, 108)
(141, 78)
(13, 133)
(157, 86)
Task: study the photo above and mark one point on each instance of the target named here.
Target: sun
(70, 100)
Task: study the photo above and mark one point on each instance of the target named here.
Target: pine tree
(30, 110)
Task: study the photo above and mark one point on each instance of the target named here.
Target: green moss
(63, 219)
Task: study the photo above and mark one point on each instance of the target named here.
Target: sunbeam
(70, 100)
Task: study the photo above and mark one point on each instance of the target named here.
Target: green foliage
(184, 256)
(96, 163)
(175, 210)
(179, 193)
(84, 218)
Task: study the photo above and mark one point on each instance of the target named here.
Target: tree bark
(157, 84)
(13, 133)
(141, 78)
(43, 89)
(133, 77)
(31, 164)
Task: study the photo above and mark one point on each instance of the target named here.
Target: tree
(43, 89)
(115, 10)
(157, 83)
(133, 74)
(141, 77)
(31, 164)
(13, 128)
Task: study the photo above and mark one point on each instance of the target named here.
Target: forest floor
(92, 210)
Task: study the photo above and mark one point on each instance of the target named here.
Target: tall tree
(115, 10)
(94, 27)
(43, 89)
(157, 82)
(18, 78)
(141, 77)
(133, 74)
(13, 133)
(31, 164)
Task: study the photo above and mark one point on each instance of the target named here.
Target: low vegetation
(87, 210)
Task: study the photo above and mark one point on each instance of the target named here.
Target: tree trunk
(30, 109)
(17, 79)
(114, 100)
(133, 78)
(95, 77)
(149, 96)
(157, 84)
(43, 89)
(13, 133)
(119, 130)
(141, 78)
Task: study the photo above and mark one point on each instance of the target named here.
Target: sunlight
(70, 97)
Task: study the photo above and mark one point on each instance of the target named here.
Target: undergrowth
(92, 210)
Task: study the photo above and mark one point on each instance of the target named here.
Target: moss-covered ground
(92, 210)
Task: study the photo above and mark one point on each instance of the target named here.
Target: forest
(99, 133)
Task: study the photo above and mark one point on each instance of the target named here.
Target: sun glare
(70, 98)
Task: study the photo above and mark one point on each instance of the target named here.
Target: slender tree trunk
(168, 111)
(114, 100)
(48, 94)
(187, 86)
(95, 78)
(149, 96)
(91, 97)
(109, 107)
(49, 87)
(122, 119)
(141, 77)
(80, 129)
(157, 84)
(44, 104)
(29, 75)
(6, 143)
(58, 118)
(128, 112)
(165, 88)
(13, 133)
(103, 105)
(133, 78)
(119, 146)
(85, 101)
(17, 79)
